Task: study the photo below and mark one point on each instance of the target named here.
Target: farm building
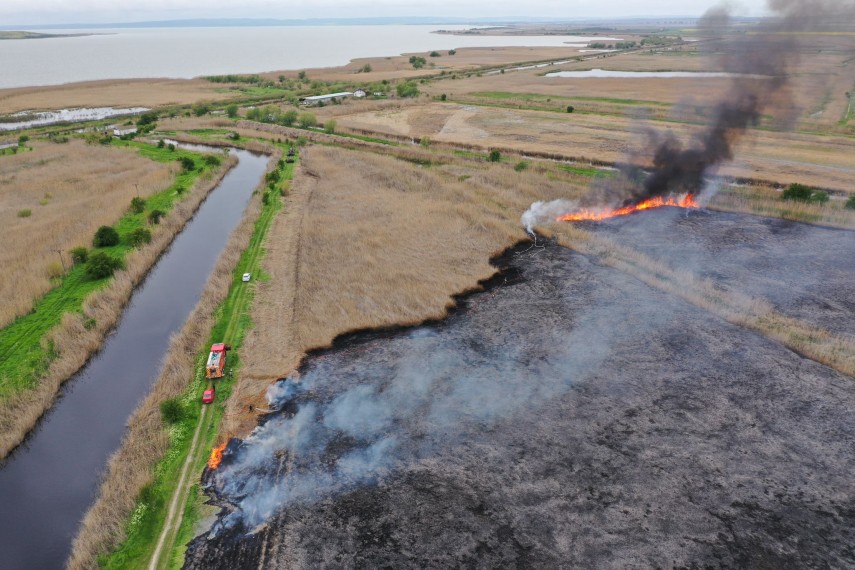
(315, 99)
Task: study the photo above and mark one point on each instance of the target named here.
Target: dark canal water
(47, 484)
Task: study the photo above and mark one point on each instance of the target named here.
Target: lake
(191, 52)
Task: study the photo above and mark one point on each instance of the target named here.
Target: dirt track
(576, 418)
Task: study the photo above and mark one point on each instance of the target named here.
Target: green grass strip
(24, 356)
(233, 322)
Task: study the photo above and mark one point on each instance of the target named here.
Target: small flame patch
(216, 456)
(685, 201)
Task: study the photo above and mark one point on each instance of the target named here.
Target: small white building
(315, 99)
(359, 93)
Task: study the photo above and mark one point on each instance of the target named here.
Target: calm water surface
(191, 52)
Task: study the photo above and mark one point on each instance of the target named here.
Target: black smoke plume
(760, 60)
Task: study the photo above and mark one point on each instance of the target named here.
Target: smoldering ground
(760, 62)
(573, 417)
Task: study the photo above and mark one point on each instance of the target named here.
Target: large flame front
(685, 201)
(216, 456)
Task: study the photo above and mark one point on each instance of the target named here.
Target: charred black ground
(635, 431)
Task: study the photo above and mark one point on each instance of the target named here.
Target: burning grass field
(669, 389)
(570, 415)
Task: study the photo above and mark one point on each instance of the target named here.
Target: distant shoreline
(21, 35)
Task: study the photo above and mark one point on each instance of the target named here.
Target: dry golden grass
(369, 241)
(110, 93)
(398, 67)
(74, 342)
(71, 189)
(836, 351)
(766, 201)
(131, 467)
(822, 161)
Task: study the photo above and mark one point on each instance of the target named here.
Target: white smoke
(361, 416)
(543, 212)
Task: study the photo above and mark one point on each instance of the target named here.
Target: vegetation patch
(182, 414)
(24, 354)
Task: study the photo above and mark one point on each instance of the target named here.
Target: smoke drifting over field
(433, 389)
(760, 62)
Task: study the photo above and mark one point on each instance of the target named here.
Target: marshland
(427, 369)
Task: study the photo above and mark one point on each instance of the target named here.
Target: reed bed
(70, 190)
(766, 201)
(146, 441)
(74, 341)
(368, 241)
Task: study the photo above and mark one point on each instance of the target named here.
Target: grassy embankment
(45, 348)
(23, 356)
(160, 488)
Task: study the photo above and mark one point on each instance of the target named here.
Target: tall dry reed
(74, 342)
(71, 189)
(146, 441)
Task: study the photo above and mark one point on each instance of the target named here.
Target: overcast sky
(17, 12)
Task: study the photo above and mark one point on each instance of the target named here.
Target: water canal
(47, 484)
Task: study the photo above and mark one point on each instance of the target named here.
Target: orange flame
(686, 201)
(216, 456)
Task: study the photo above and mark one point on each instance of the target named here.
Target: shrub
(161, 143)
(452, 52)
(235, 136)
(425, 142)
(171, 147)
(187, 163)
(180, 190)
(570, 108)
(434, 54)
(147, 119)
(212, 160)
(139, 236)
(22, 140)
(288, 118)
(232, 111)
(329, 127)
(850, 203)
(443, 97)
(520, 166)
(495, 156)
(407, 89)
(307, 120)
(172, 411)
(154, 217)
(79, 255)
(105, 237)
(25, 213)
(797, 191)
(200, 109)
(101, 265)
(365, 68)
(819, 197)
(137, 205)
(417, 62)
(272, 176)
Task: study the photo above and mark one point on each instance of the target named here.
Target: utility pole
(61, 260)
